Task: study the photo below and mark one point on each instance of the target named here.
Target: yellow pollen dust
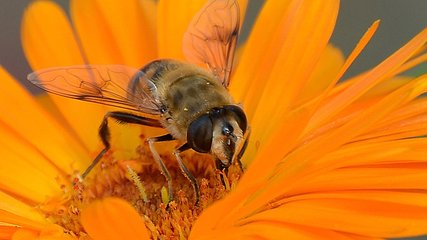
(140, 182)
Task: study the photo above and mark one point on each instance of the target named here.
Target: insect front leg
(187, 173)
(224, 168)
(243, 148)
(104, 131)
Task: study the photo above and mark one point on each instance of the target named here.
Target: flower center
(140, 182)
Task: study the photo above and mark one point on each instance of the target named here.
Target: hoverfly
(191, 99)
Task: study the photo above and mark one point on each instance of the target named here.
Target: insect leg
(159, 160)
(222, 167)
(184, 170)
(243, 149)
(104, 131)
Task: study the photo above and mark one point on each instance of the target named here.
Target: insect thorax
(186, 92)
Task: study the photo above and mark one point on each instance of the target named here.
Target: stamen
(164, 218)
(137, 181)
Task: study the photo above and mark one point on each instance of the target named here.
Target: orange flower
(326, 160)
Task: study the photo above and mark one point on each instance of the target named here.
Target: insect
(190, 100)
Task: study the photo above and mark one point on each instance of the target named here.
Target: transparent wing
(113, 85)
(211, 38)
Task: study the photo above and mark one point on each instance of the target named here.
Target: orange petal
(361, 216)
(302, 159)
(51, 232)
(24, 234)
(288, 33)
(405, 120)
(386, 87)
(374, 114)
(388, 177)
(403, 175)
(18, 213)
(407, 127)
(27, 173)
(367, 36)
(114, 32)
(285, 144)
(323, 74)
(412, 63)
(267, 24)
(399, 207)
(48, 40)
(32, 124)
(356, 51)
(287, 63)
(173, 18)
(277, 230)
(338, 177)
(47, 103)
(399, 165)
(214, 220)
(369, 80)
(274, 149)
(269, 230)
(7, 217)
(6, 232)
(394, 154)
(47, 37)
(55, 232)
(113, 218)
(83, 119)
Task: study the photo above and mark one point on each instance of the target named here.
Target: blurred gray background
(401, 20)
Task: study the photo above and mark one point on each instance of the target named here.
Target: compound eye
(199, 134)
(239, 116)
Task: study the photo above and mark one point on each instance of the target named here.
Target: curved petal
(113, 218)
(116, 32)
(173, 20)
(281, 69)
(31, 124)
(31, 176)
(273, 230)
(50, 232)
(376, 112)
(362, 216)
(303, 159)
(323, 74)
(25, 215)
(48, 40)
(356, 179)
(47, 37)
(366, 81)
(367, 183)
